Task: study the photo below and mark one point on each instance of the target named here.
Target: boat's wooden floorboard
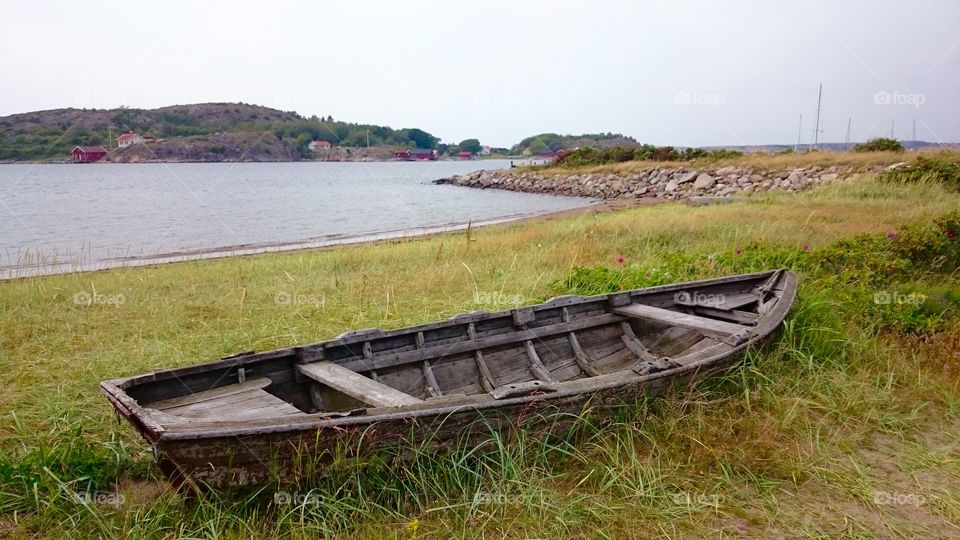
(211, 394)
(232, 402)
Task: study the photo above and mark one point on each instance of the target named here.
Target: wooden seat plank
(355, 385)
(719, 301)
(683, 320)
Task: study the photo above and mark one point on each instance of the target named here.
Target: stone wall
(662, 182)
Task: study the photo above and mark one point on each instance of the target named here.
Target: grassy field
(849, 426)
(759, 161)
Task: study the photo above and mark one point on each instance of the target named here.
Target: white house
(129, 138)
(319, 145)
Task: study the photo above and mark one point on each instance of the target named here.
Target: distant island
(212, 132)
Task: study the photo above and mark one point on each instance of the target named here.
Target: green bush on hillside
(589, 157)
(880, 144)
(939, 169)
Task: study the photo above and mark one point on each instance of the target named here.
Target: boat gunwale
(765, 325)
(559, 301)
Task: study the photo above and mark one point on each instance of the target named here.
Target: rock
(671, 186)
(829, 177)
(687, 177)
(704, 181)
(726, 192)
(896, 165)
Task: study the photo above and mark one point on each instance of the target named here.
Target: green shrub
(939, 169)
(588, 157)
(916, 310)
(880, 144)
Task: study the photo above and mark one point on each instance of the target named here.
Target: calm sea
(56, 218)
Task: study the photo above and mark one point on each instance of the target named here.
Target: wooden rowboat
(273, 416)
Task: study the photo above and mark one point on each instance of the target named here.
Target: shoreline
(194, 161)
(329, 243)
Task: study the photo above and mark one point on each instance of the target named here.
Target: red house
(465, 155)
(88, 154)
(420, 153)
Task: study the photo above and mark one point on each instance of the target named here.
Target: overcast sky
(665, 72)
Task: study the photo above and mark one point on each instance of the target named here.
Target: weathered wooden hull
(258, 450)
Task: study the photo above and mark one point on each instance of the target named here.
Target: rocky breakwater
(656, 182)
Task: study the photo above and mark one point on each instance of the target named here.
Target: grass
(847, 427)
(760, 161)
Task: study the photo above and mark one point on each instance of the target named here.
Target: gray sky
(680, 73)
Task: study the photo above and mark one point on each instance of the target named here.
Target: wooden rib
(586, 365)
(368, 355)
(633, 343)
(541, 332)
(355, 385)
(486, 378)
(536, 366)
(432, 387)
(683, 320)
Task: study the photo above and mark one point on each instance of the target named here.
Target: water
(56, 218)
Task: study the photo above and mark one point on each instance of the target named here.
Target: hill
(554, 142)
(197, 132)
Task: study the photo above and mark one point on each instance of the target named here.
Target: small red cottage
(421, 153)
(88, 154)
(465, 155)
(416, 154)
(319, 145)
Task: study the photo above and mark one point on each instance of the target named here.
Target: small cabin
(319, 145)
(129, 138)
(421, 153)
(88, 154)
(465, 155)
